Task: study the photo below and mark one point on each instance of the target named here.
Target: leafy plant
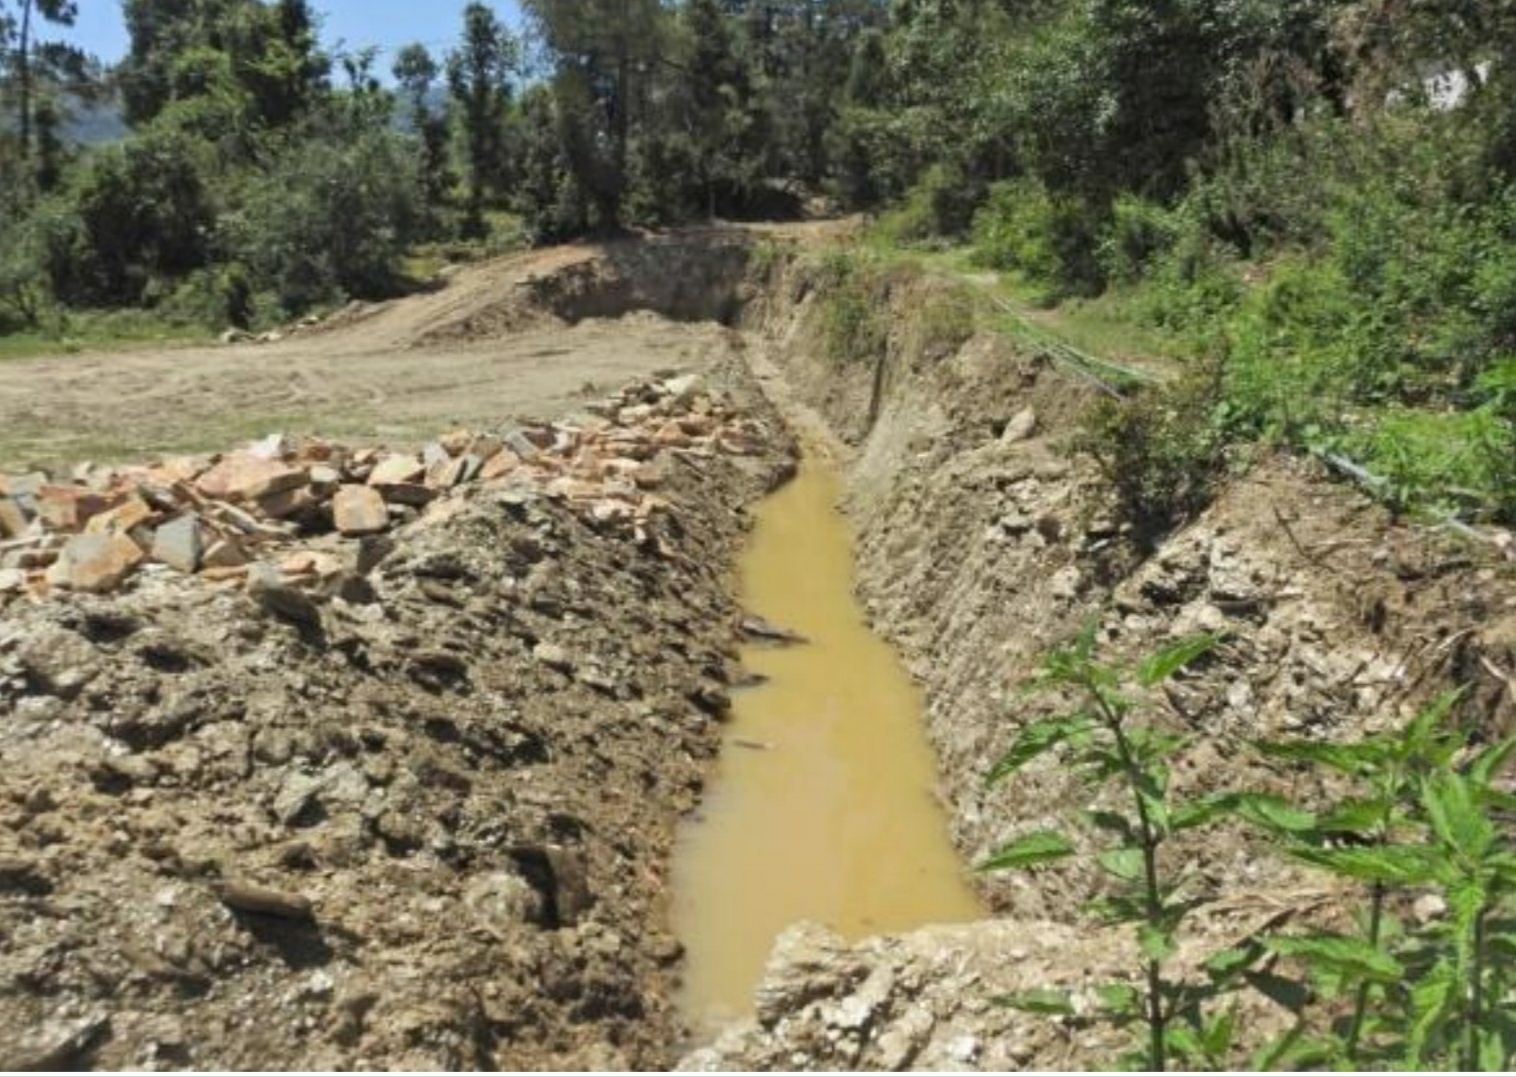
(1161, 451)
(1109, 744)
(1435, 995)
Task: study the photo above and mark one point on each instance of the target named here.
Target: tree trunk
(24, 78)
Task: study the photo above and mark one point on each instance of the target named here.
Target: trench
(822, 806)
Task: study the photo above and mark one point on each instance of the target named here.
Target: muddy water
(822, 807)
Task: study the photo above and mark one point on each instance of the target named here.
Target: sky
(352, 24)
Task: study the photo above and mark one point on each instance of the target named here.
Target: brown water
(821, 808)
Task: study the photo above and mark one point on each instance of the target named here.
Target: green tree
(479, 75)
(416, 72)
(605, 54)
(30, 65)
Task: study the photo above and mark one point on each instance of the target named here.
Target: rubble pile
(414, 815)
(297, 504)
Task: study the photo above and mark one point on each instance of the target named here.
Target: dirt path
(363, 377)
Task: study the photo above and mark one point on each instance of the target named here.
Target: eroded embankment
(984, 542)
(419, 823)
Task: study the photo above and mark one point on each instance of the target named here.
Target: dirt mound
(420, 823)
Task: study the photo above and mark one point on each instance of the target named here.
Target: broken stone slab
(501, 463)
(123, 519)
(456, 442)
(13, 519)
(287, 504)
(69, 508)
(249, 898)
(394, 470)
(1021, 427)
(359, 510)
(225, 553)
(446, 473)
(180, 544)
(518, 442)
(95, 563)
(243, 477)
(413, 494)
(432, 454)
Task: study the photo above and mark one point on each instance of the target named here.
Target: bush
(137, 212)
(1161, 451)
(1140, 232)
(941, 206)
(855, 315)
(1053, 241)
(329, 221)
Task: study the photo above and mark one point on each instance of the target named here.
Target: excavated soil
(430, 828)
(421, 823)
(985, 542)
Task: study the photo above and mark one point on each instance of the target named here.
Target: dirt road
(474, 352)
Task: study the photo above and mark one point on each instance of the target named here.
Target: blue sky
(356, 24)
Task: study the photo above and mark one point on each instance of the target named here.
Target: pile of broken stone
(279, 510)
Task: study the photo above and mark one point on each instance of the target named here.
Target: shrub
(1053, 241)
(1140, 232)
(1162, 450)
(940, 206)
(137, 212)
(329, 221)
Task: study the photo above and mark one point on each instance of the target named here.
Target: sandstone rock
(432, 454)
(413, 494)
(180, 544)
(12, 581)
(242, 476)
(95, 563)
(1021, 427)
(13, 521)
(500, 464)
(484, 446)
(226, 553)
(288, 503)
(446, 473)
(123, 519)
(69, 508)
(396, 469)
(359, 510)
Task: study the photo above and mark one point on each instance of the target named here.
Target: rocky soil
(411, 813)
(984, 542)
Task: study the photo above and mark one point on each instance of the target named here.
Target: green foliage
(1437, 995)
(136, 213)
(1051, 239)
(1161, 451)
(329, 220)
(1108, 743)
(855, 315)
(941, 206)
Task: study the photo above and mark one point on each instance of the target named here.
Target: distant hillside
(94, 124)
